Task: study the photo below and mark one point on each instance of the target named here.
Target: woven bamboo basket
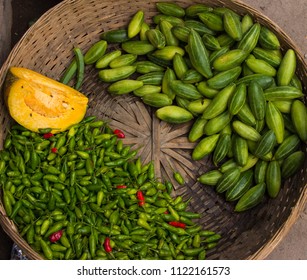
(47, 48)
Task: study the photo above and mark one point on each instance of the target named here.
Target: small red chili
(48, 135)
(140, 197)
(54, 150)
(119, 133)
(177, 224)
(121, 187)
(54, 237)
(166, 212)
(107, 245)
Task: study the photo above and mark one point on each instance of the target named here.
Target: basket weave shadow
(47, 48)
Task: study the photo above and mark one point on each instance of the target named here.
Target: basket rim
(271, 244)
(263, 252)
(277, 28)
(241, 4)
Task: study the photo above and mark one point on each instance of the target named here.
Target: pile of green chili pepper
(83, 194)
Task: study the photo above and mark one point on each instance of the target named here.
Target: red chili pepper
(54, 237)
(119, 133)
(121, 187)
(140, 197)
(177, 224)
(107, 245)
(54, 150)
(48, 135)
(166, 212)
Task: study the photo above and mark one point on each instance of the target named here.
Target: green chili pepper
(2, 166)
(161, 203)
(100, 196)
(196, 241)
(15, 209)
(151, 191)
(146, 186)
(139, 238)
(151, 171)
(30, 235)
(78, 247)
(72, 145)
(13, 173)
(51, 178)
(168, 197)
(25, 229)
(169, 187)
(160, 186)
(173, 212)
(83, 155)
(80, 67)
(190, 215)
(54, 228)
(176, 230)
(7, 143)
(139, 231)
(172, 249)
(143, 223)
(69, 73)
(60, 142)
(114, 217)
(186, 221)
(141, 179)
(211, 245)
(119, 146)
(44, 227)
(43, 145)
(192, 251)
(202, 255)
(178, 177)
(7, 203)
(124, 229)
(118, 162)
(72, 179)
(167, 217)
(160, 210)
(92, 245)
(125, 151)
(53, 170)
(174, 237)
(84, 230)
(143, 252)
(46, 250)
(51, 203)
(213, 238)
(206, 233)
(194, 229)
(57, 248)
(133, 169)
(181, 245)
(110, 205)
(165, 253)
(138, 165)
(62, 151)
(70, 230)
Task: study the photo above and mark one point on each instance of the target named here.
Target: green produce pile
(228, 74)
(83, 194)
